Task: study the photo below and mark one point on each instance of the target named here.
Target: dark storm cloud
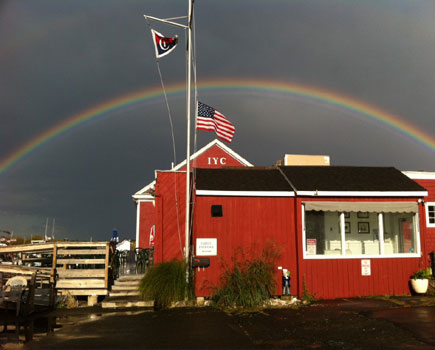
(60, 58)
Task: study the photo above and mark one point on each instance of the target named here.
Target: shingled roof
(241, 179)
(308, 179)
(349, 178)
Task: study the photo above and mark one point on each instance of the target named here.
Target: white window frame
(427, 204)
(381, 254)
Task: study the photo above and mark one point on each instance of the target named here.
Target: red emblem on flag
(163, 45)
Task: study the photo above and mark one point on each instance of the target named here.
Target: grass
(249, 282)
(307, 297)
(166, 283)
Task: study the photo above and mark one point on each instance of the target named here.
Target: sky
(295, 72)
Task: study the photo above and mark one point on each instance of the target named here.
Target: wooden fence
(83, 267)
(78, 268)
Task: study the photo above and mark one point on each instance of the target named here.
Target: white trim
(137, 223)
(169, 171)
(420, 175)
(341, 257)
(381, 233)
(245, 193)
(342, 234)
(145, 189)
(426, 205)
(416, 220)
(304, 234)
(361, 194)
(144, 197)
(210, 145)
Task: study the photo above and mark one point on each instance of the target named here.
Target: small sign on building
(206, 246)
(365, 268)
(312, 246)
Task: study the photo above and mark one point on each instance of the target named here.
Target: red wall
(170, 216)
(248, 222)
(213, 157)
(339, 278)
(429, 185)
(146, 220)
(253, 221)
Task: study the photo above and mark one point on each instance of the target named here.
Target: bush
(422, 274)
(307, 297)
(249, 283)
(166, 283)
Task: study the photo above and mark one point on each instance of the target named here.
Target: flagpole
(188, 111)
(188, 115)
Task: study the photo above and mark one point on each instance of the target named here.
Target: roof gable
(213, 155)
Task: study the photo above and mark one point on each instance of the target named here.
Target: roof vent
(302, 159)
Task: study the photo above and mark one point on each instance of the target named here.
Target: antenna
(52, 231)
(46, 226)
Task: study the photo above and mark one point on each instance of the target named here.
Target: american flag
(211, 120)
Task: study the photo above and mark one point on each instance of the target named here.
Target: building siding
(250, 224)
(214, 157)
(170, 216)
(429, 184)
(146, 221)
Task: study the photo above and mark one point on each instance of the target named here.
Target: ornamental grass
(165, 283)
(248, 282)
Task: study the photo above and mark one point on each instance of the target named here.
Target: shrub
(166, 283)
(248, 283)
(422, 274)
(307, 297)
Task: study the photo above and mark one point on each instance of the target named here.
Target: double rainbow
(314, 94)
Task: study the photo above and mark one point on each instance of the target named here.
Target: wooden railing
(83, 267)
(76, 268)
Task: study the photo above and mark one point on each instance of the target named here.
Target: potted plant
(420, 280)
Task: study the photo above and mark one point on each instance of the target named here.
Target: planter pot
(420, 286)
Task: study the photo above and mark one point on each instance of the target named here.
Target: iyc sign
(217, 160)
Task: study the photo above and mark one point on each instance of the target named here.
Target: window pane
(362, 234)
(431, 213)
(322, 233)
(399, 235)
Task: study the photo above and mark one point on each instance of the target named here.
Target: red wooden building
(213, 155)
(341, 231)
(427, 216)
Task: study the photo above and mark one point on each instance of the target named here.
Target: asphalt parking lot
(366, 323)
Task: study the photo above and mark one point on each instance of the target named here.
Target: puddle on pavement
(39, 327)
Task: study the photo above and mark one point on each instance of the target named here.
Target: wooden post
(106, 267)
(52, 285)
(54, 257)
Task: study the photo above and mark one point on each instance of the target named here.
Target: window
(430, 214)
(322, 233)
(216, 211)
(337, 233)
(399, 235)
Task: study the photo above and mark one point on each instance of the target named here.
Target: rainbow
(314, 94)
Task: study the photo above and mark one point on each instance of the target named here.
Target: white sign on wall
(365, 268)
(206, 246)
(311, 246)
